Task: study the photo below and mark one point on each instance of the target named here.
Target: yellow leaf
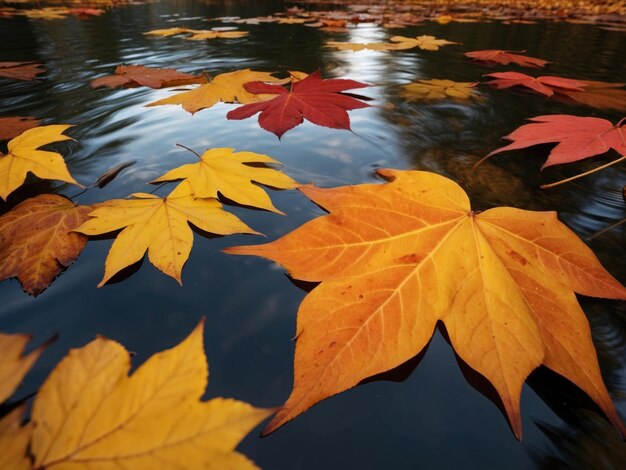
(229, 173)
(23, 157)
(440, 89)
(394, 259)
(14, 441)
(159, 225)
(37, 242)
(167, 32)
(226, 87)
(90, 413)
(356, 47)
(13, 365)
(428, 43)
(199, 35)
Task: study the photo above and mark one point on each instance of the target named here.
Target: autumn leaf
(14, 440)
(427, 43)
(13, 126)
(314, 98)
(440, 89)
(167, 32)
(356, 47)
(543, 85)
(229, 173)
(90, 413)
(226, 87)
(14, 364)
(20, 70)
(577, 137)
(505, 58)
(47, 13)
(37, 242)
(199, 35)
(602, 95)
(394, 259)
(24, 157)
(137, 75)
(158, 225)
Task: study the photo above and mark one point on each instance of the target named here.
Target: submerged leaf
(394, 259)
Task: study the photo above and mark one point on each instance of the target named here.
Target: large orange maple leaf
(394, 259)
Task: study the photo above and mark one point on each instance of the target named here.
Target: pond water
(429, 418)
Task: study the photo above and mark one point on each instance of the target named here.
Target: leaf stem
(580, 175)
(191, 150)
(606, 229)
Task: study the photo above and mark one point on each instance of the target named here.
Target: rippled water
(434, 418)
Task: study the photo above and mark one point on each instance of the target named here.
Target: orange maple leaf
(394, 259)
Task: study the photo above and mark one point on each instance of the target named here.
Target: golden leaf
(13, 364)
(221, 170)
(90, 413)
(37, 242)
(14, 440)
(24, 157)
(440, 89)
(226, 87)
(427, 43)
(394, 259)
(160, 226)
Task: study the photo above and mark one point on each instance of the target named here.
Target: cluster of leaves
(59, 10)
(427, 43)
(89, 411)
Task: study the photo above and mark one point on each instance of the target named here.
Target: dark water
(434, 418)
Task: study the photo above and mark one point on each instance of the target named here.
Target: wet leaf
(577, 137)
(314, 98)
(226, 87)
(137, 75)
(20, 70)
(197, 34)
(440, 89)
(394, 259)
(427, 43)
(546, 86)
(14, 364)
(13, 126)
(90, 413)
(14, 440)
(37, 242)
(505, 58)
(356, 47)
(158, 225)
(229, 173)
(24, 157)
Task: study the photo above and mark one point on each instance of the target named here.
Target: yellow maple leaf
(167, 32)
(160, 226)
(226, 87)
(13, 364)
(436, 89)
(229, 173)
(427, 43)
(394, 259)
(356, 47)
(14, 440)
(23, 157)
(199, 35)
(90, 413)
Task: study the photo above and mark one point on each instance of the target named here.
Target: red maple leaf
(546, 86)
(578, 137)
(313, 98)
(505, 58)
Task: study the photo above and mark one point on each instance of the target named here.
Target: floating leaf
(544, 85)
(440, 89)
(20, 70)
(137, 75)
(90, 413)
(395, 259)
(37, 242)
(226, 87)
(356, 47)
(14, 364)
(313, 98)
(13, 126)
(427, 43)
(24, 157)
(230, 174)
(158, 225)
(505, 58)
